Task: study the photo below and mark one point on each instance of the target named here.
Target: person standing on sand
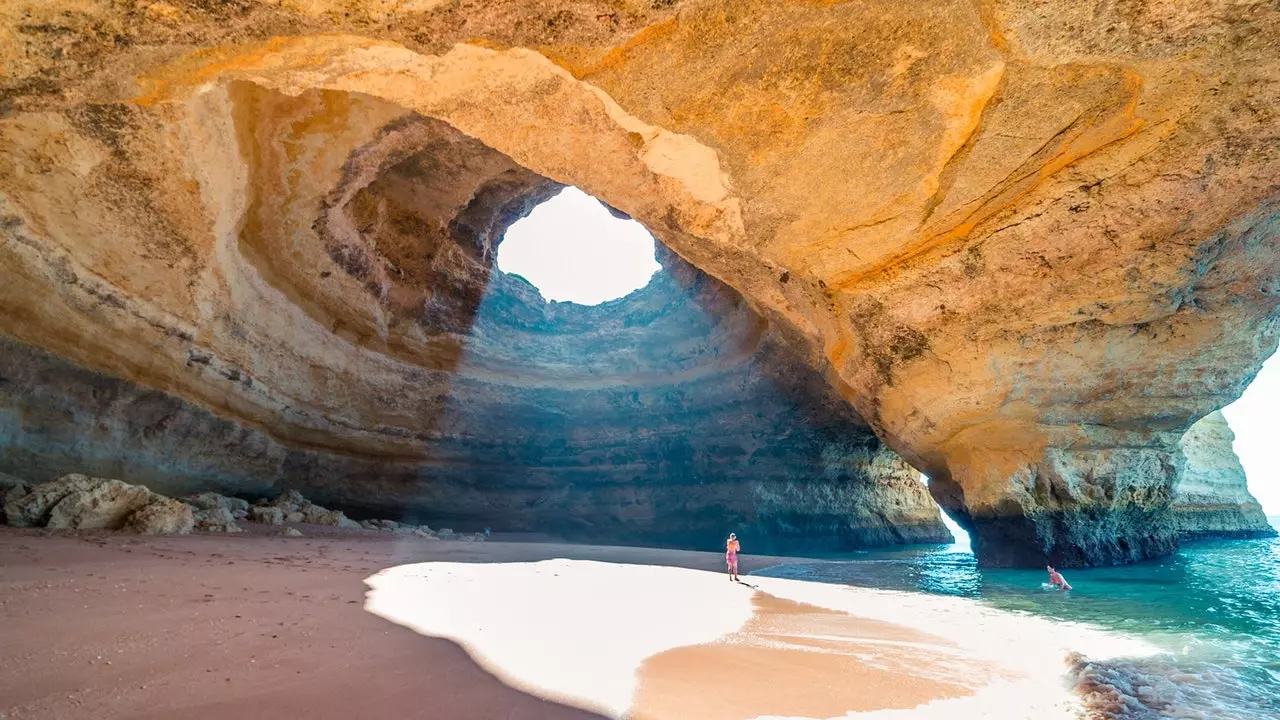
(731, 548)
(1056, 579)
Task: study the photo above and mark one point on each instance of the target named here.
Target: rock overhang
(1060, 245)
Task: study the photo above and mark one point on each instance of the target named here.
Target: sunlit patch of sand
(661, 643)
(572, 631)
(801, 660)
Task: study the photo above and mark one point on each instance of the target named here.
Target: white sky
(1255, 418)
(572, 249)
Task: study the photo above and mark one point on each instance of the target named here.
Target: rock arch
(1030, 256)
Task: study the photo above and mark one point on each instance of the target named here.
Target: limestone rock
(1030, 243)
(290, 532)
(323, 516)
(216, 519)
(80, 502)
(162, 516)
(295, 517)
(105, 506)
(11, 494)
(212, 500)
(290, 501)
(266, 515)
(11, 488)
(33, 509)
(1211, 499)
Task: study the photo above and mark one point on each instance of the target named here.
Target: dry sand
(118, 626)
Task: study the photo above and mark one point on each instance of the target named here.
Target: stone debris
(269, 515)
(33, 508)
(163, 516)
(294, 508)
(237, 508)
(11, 488)
(80, 502)
(217, 519)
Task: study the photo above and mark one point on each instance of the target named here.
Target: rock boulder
(216, 519)
(163, 516)
(33, 509)
(212, 500)
(11, 488)
(266, 515)
(105, 506)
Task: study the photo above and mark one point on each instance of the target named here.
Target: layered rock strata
(668, 417)
(1211, 498)
(1032, 243)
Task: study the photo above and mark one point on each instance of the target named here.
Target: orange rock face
(1031, 243)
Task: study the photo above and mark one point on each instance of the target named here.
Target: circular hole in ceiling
(572, 249)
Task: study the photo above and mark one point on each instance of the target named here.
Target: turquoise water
(1213, 609)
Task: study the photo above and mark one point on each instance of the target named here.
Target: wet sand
(793, 659)
(119, 626)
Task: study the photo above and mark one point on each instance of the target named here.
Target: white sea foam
(1167, 686)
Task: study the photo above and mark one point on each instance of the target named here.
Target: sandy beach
(118, 626)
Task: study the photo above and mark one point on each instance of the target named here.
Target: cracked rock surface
(1030, 244)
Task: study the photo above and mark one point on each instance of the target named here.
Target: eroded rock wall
(1031, 242)
(1211, 498)
(670, 417)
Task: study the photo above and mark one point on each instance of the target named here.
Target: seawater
(1213, 610)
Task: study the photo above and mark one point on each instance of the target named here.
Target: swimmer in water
(731, 548)
(1056, 579)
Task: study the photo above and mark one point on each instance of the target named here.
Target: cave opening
(1252, 419)
(960, 535)
(574, 248)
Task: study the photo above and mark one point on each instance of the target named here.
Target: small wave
(1159, 687)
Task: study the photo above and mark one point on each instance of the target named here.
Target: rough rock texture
(268, 515)
(214, 501)
(1031, 242)
(80, 502)
(292, 507)
(665, 417)
(106, 506)
(1211, 498)
(163, 516)
(33, 509)
(11, 488)
(217, 519)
